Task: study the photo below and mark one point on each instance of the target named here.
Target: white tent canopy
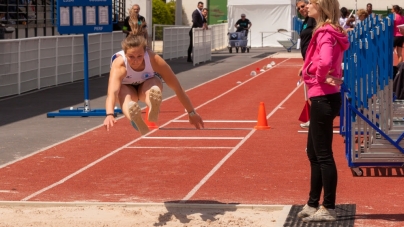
(266, 16)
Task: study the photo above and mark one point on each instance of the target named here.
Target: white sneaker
(135, 114)
(322, 214)
(306, 211)
(155, 98)
(305, 125)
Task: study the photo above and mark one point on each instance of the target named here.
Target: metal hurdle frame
(297, 24)
(373, 136)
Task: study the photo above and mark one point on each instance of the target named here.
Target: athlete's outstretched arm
(117, 73)
(162, 68)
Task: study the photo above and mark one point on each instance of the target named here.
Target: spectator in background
(243, 24)
(197, 22)
(305, 35)
(205, 18)
(344, 17)
(398, 36)
(343, 20)
(362, 14)
(134, 19)
(2, 17)
(369, 9)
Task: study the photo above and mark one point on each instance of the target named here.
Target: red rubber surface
(270, 167)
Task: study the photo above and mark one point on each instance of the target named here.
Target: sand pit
(170, 215)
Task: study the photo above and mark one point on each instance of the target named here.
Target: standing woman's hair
(329, 13)
(304, 1)
(137, 27)
(397, 9)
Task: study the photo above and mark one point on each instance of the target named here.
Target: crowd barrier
(220, 38)
(176, 41)
(35, 63)
(371, 121)
(297, 24)
(202, 45)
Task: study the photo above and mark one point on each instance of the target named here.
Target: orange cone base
(149, 124)
(262, 122)
(262, 127)
(152, 126)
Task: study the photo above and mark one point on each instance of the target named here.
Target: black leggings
(323, 110)
(398, 41)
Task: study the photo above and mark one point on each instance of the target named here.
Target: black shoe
(189, 60)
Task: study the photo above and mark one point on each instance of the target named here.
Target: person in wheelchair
(243, 24)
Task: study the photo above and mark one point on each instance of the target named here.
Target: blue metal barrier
(297, 24)
(368, 98)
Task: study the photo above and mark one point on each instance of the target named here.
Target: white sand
(93, 215)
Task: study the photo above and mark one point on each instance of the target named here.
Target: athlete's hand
(196, 120)
(109, 122)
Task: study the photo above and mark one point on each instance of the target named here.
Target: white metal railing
(158, 36)
(202, 45)
(220, 39)
(176, 42)
(34, 63)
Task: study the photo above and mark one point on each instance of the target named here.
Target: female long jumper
(133, 77)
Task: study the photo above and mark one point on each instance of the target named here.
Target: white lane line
(223, 94)
(126, 145)
(77, 172)
(218, 165)
(192, 138)
(72, 137)
(48, 147)
(219, 121)
(180, 148)
(8, 191)
(205, 129)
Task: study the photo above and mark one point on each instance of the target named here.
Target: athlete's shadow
(386, 217)
(204, 210)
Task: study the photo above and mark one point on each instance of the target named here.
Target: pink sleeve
(326, 43)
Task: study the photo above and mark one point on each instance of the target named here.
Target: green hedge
(162, 13)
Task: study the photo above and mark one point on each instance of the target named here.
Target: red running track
(229, 162)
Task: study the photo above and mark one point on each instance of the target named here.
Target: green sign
(217, 11)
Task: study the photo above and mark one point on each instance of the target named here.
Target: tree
(161, 13)
(171, 8)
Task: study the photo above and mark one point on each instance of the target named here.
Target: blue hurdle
(370, 119)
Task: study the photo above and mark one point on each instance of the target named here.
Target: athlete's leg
(150, 92)
(399, 54)
(128, 98)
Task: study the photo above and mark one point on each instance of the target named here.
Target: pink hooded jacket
(325, 53)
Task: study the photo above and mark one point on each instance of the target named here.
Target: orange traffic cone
(262, 122)
(151, 125)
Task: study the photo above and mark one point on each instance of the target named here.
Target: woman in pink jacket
(398, 37)
(322, 74)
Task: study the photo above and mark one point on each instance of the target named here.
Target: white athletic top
(133, 77)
